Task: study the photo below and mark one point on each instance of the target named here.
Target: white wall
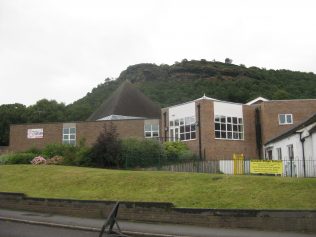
(182, 111)
(228, 109)
(284, 143)
(297, 164)
(312, 142)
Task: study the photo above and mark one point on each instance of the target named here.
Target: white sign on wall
(35, 133)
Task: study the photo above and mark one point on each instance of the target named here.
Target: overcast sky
(62, 49)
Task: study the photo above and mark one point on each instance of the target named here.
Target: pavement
(22, 218)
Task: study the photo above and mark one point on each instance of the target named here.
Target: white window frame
(229, 128)
(69, 136)
(150, 132)
(182, 129)
(286, 116)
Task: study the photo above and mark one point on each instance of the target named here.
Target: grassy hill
(169, 85)
(187, 80)
(183, 189)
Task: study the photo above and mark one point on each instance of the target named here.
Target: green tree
(46, 111)
(10, 114)
(106, 151)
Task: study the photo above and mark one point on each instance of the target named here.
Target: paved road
(16, 227)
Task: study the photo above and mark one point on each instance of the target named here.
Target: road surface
(27, 224)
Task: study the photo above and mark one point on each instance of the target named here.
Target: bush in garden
(78, 155)
(141, 153)
(52, 150)
(4, 159)
(38, 160)
(55, 160)
(177, 151)
(18, 158)
(106, 151)
(34, 150)
(82, 157)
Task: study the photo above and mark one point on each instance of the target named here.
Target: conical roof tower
(127, 102)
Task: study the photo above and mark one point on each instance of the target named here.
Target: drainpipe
(165, 124)
(303, 149)
(199, 125)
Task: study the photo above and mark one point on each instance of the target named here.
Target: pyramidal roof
(127, 102)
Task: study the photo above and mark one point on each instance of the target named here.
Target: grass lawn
(182, 189)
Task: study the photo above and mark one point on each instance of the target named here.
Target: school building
(213, 129)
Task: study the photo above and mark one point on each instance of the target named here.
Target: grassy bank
(182, 189)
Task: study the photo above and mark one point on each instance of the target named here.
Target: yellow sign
(266, 167)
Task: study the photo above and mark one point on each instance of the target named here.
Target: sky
(62, 49)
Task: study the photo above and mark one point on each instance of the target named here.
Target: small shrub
(141, 153)
(83, 156)
(38, 160)
(3, 159)
(55, 160)
(177, 151)
(34, 150)
(18, 158)
(52, 150)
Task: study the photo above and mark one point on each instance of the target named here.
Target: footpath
(135, 228)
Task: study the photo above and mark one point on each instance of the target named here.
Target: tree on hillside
(228, 61)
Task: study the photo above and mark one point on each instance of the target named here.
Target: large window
(285, 119)
(231, 128)
(183, 129)
(69, 135)
(151, 130)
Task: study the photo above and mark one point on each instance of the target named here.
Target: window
(269, 154)
(230, 128)
(151, 130)
(183, 129)
(279, 151)
(69, 135)
(291, 152)
(285, 119)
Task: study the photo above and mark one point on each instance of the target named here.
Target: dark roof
(127, 101)
(291, 131)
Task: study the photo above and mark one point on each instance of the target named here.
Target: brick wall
(85, 130)
(125, 129)
(52, 133)
(284, 220)
(215, 149)
(301, 110)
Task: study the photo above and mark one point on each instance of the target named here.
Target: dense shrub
(106, 151)
(17, 158)
(177, 151)
(34, 150)
(72, 155)
(78, 155)
(141, 153)
(52, 150)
